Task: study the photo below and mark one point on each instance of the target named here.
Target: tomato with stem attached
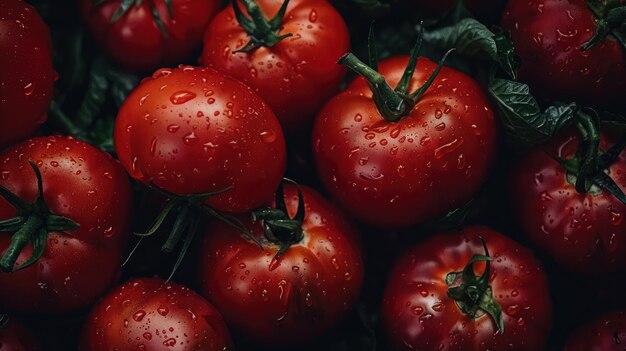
(393, 158)
(147, 34)
(582, 231)
(151, 314)
(290, 60)
(299, 285)
(473, 289)
(65, 214)
(570, 50)
(27, 74)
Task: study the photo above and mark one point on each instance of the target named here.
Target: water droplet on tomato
(28, 89)
(138, 316)
(169, 342)
(268, 136)
(417, 310)
(313, 16)
(181, 97)
(163, 310)
(447, 148)
(512, 310)
(190, 138)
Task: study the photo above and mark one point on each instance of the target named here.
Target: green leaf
(124, 6)
(95, 97)
(524, 123)
(474, 40)
(121, 85)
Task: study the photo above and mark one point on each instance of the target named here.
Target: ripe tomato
(582, 232)
(605, 333)
(15, 337)
(80, 183)
(296, 75)
(136, 41)
(292, 299)
(150, 314)
(548, 35)
(193, 130)
(27, 74)
(419, 312)
(396, 174)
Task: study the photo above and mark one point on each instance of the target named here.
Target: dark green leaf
(39, 245)
(121, 85)
(124, 6)
(59, 223)
(95, 96)
(474, 40)
(524, 123)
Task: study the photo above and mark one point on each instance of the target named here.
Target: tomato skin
(297, 75)
(547, 35)
(193, 130)
(396, 174)
(86, 185)
(417, 314)
(150, 314)
(294, 299)
(582, 232)
(605, 333)
(15, 337)
(27, 74)
(135, 41)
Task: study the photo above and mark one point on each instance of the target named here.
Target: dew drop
(180, 97)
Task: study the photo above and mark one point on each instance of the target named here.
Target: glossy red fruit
(290, 300)
(135, 40)
(193, 130)
(150, 314)
(86, 185)
(548, 36)
(418, 312)
(583, 232)
(397, 174)
(296, 75)
(27, 74)
(605, 333)
(15, 337)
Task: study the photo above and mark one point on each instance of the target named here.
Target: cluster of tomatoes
(257, 196)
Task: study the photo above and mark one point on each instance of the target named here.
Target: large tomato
(80, 183)
(583, 232)
(605, 333)
(15, 337)
(141, 41)
(294, 76)
(549, 35)
(422, 307)
(150, 314)
(193, 130)
(27, 75)
(293, 298)
(399, 173)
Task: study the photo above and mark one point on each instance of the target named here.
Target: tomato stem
(262, 31)
(392, 104)
(32, 224)
(610, 20)
(19, 240)
(588, 124)
(472, 293)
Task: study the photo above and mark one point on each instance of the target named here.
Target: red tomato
(296, 75)
(548, 35)
(192, 130)
(150, 314)
(419, 314)
(81, 183)
(396, 174)
(15, 337)
(27, 74)
(582, 232)
(605, 333)
(135, 41)
(290, 300)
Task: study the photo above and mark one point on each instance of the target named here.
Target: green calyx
(125, 6)
(32, 224)
(610, 20)
(4, 321)
(188, 212)
(589, 167)
(262, 31)
(278, 227)
(473, 294)
(393, 104)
